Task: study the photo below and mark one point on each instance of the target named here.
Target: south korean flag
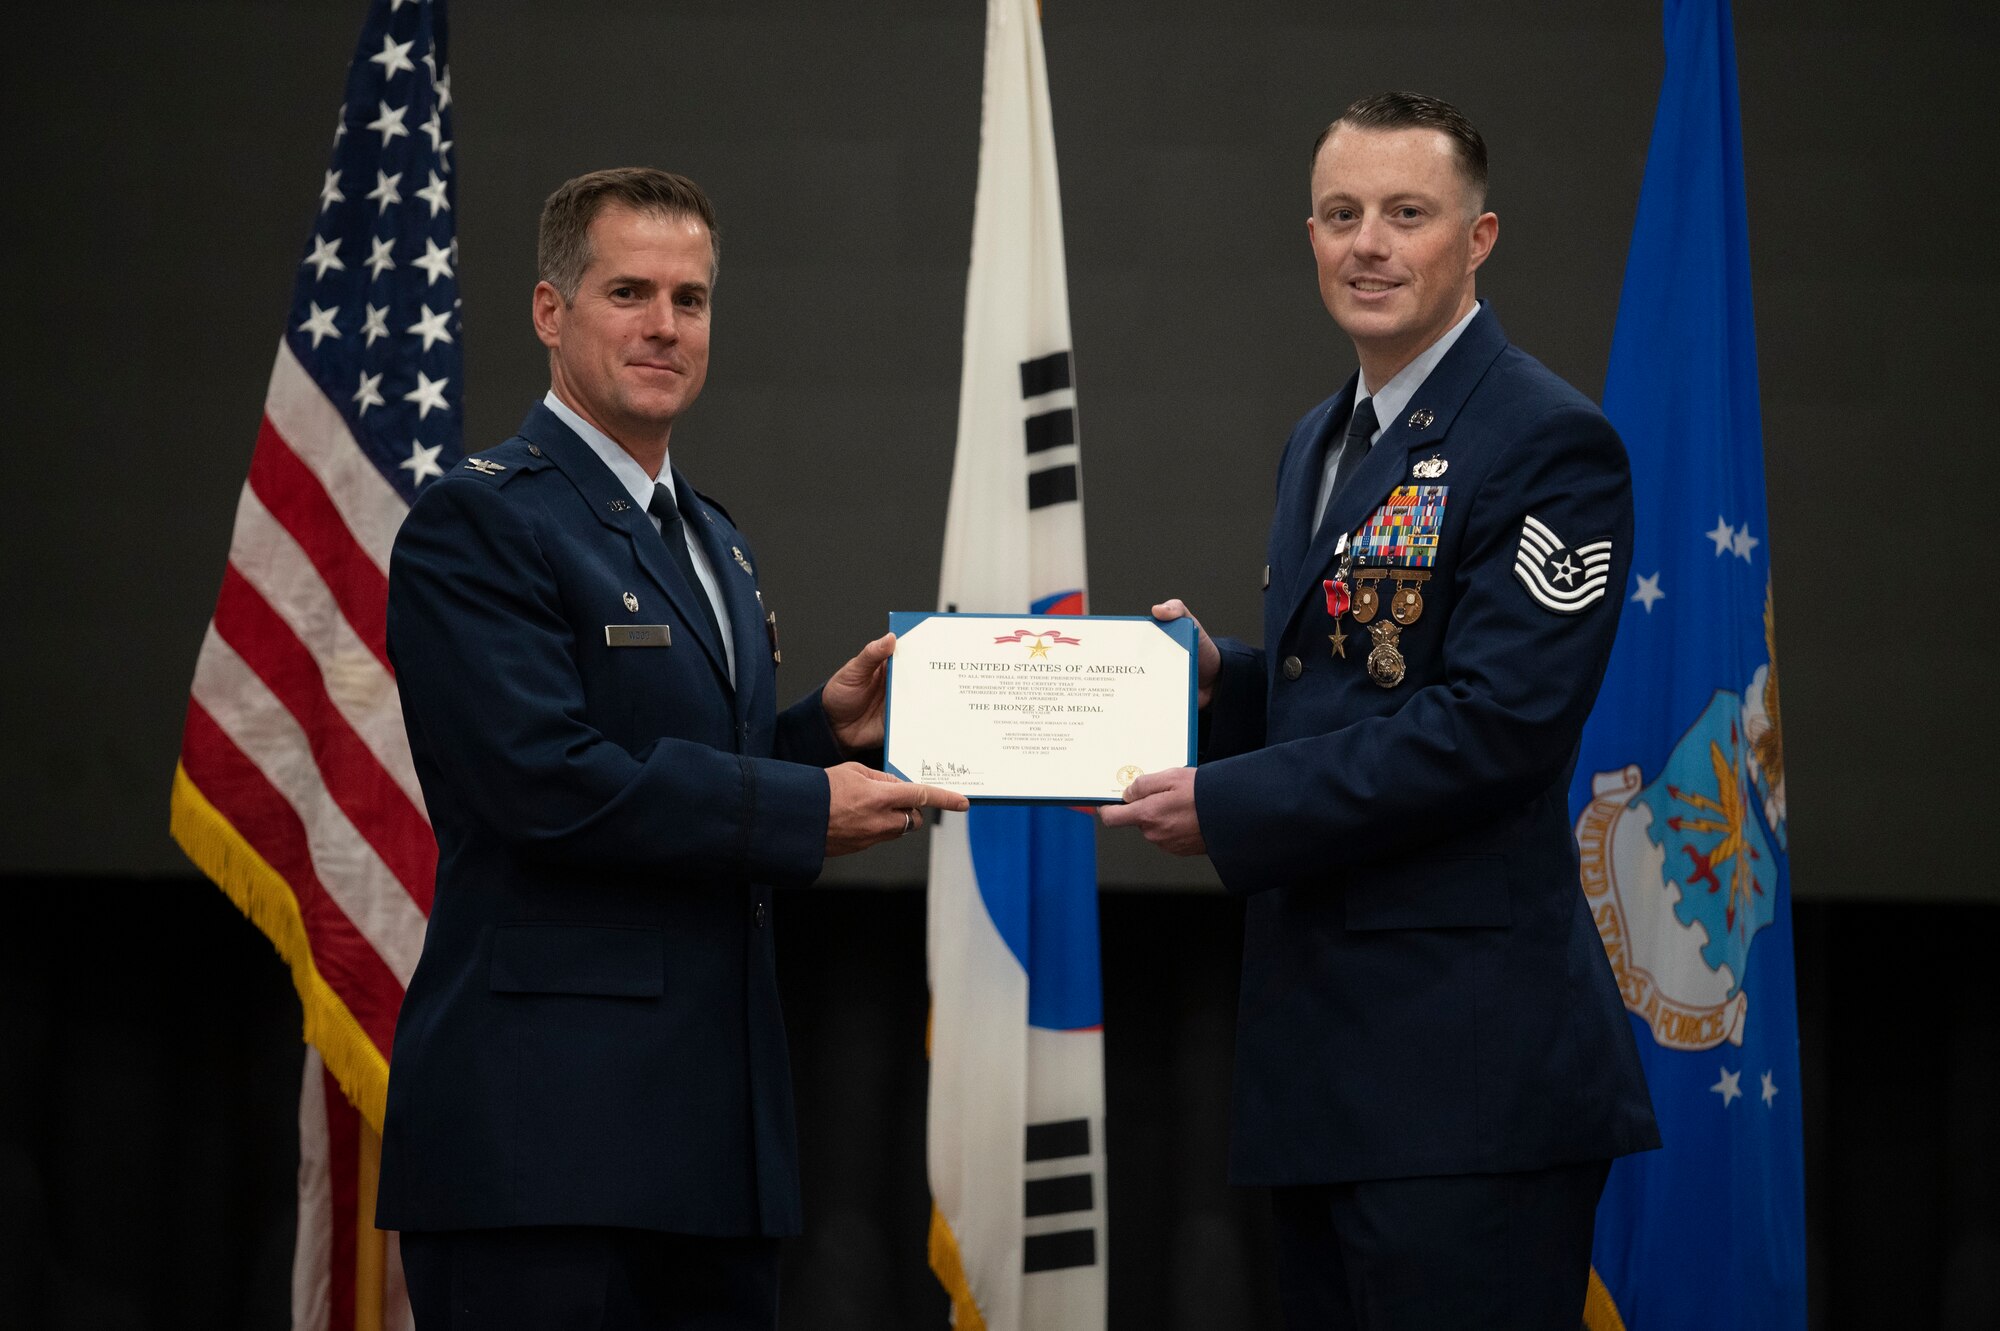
(1560, 579)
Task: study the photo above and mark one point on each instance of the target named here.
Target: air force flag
(1680, 785)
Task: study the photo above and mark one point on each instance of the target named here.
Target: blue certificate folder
(1181, 631)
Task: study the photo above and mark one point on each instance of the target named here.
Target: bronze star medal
(1337, 601)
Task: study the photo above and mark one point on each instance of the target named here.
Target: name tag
(638, 635)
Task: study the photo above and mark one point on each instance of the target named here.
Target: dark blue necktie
(1360, 433)
(673, 531)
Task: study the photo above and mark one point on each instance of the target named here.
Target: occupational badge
(1430, 469)
(631, 604)
(486, 466)
(1421, 418)
(1565, 579)
(1385, 659)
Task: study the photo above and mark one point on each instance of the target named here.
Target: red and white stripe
(295, 735)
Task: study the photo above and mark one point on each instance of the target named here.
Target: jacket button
(760, 915)
(1293, 667)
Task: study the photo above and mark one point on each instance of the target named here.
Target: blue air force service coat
(592, 1035)
(1424, 991)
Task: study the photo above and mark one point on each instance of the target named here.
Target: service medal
(1408, 603)
(1385, 661)
(1366, 599)
(1337, 599)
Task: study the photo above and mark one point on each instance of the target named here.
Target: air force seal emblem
(1680, 876)
(1682, 873)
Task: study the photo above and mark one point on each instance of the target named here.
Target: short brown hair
(562, 251)
(1413, 110)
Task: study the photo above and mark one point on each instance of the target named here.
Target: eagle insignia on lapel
(1430, 469)
(1567, 581)
(486, 466)
(741, 562)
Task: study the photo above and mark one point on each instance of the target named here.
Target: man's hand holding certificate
(1068, 709)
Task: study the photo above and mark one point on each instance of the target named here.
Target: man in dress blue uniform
(1433, 1065)
(590, 1116)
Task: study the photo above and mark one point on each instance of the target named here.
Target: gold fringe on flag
(263, 895)
(950, 1271)
(1600, 1311)
(371, 1250)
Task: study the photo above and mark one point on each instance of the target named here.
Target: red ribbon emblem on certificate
(1028, 636)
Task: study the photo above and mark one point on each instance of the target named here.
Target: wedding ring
(909, 821)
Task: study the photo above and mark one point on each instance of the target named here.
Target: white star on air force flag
(1550, 571)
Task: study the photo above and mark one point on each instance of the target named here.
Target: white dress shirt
(1390, 399)
(640, 486)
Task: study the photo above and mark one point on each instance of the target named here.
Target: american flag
(295, 790)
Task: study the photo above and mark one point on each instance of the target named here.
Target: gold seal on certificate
(1068, 709)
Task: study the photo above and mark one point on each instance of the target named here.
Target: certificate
(1021, 708)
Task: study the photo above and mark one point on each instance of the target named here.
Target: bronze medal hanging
(1366, 599)
(1385, 660)
(1407, 605)
(1339, 599)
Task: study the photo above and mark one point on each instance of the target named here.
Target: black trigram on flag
(1049, 395)
(1055, 1150)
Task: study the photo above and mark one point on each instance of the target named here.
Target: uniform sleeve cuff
(785, 830)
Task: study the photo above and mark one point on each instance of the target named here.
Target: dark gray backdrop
(165, 157)
(162, 161)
